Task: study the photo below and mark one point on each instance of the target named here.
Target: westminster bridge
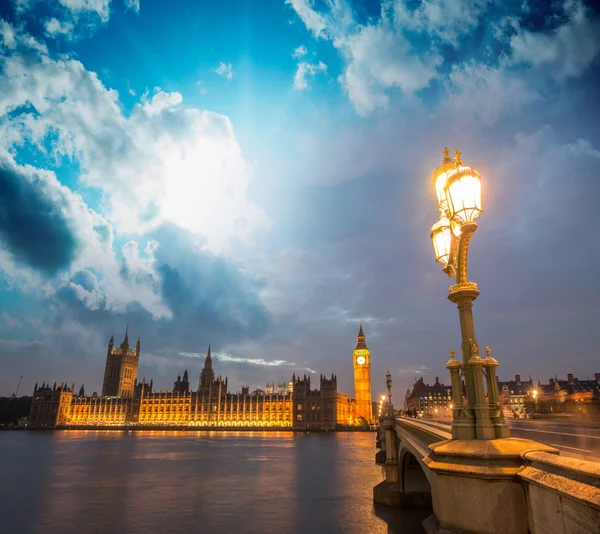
(507, 485)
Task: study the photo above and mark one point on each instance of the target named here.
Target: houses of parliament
(127, 402)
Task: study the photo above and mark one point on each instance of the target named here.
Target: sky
(257, 175)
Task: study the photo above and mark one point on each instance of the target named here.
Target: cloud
(7, 33)
(134, 5)
(201, 87)
(130, 90)
(379, 59)
(299, 52)
(34, 221)
(225, 357)
(413, 370)
(307, 69)
(567, 50)
(100, 8)
(9, 321)
(55, 27)
(378, 56)
(313, 20)
(410, 46)
(162, 163)
(446, 20)
(486, 93)
(224, 70)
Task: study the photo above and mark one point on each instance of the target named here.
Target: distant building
(121, 368)
(362, 379)
(125, 401)
(514, 395)
(429, 401)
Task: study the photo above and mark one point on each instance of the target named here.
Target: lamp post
(458, 189)
(388, 383)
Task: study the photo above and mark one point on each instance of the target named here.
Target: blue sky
(257, 175)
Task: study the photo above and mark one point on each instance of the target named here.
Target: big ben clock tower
(362, 378)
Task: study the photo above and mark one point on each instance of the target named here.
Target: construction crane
(18, 386)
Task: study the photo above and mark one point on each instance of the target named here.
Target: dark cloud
(211, 299)
(32, 225)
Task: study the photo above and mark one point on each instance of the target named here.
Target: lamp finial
(446, 153)
(457, 156)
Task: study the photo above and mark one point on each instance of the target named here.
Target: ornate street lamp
(388, 383)
(458, 189)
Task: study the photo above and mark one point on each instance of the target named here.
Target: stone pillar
(391, 450)
(496, 413)
(454, 366)
(388, 492)
(483, 423)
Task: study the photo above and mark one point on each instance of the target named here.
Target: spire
(208, 361)
(360, 339)
(126, 340)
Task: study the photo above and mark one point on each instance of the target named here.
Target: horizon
(258, 177)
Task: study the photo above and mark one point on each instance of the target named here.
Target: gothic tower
(121, 368)
(362, 378)
(207, 376)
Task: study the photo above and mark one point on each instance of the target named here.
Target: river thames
(224, 482)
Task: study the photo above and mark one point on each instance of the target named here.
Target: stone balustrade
(508, 485)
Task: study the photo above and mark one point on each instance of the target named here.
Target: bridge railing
(426, 432)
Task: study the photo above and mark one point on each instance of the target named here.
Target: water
(143, 482)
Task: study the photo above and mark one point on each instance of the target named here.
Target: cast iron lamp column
(458, 189)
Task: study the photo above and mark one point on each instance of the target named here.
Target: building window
(299, 417)
(299, 407)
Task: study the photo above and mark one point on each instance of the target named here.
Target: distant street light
(458, 190)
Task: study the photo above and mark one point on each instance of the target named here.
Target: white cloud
(447, 20)
(224, 70)
(299, 52)
(56, 27)
(96, 7)
(567, 50)
(225, 357)
(9, 321)
(164, 162)
(134, 5)
(201, 87)
(378, 56)
(7, 33)
(313, 20)
(379, 59)
(485, 92)
(307, 69)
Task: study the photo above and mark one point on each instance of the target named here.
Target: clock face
(360, 360)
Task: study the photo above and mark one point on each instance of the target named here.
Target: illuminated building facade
(362, 378)
(126, 402)
(121, 368)
(429, 401)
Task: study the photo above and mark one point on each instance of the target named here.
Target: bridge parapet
(427, 433)
(507, 485)
(563, 494)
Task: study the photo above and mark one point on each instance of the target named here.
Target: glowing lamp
(441, 239)
(463, 194)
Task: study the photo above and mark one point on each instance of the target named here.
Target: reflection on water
(140, 482)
